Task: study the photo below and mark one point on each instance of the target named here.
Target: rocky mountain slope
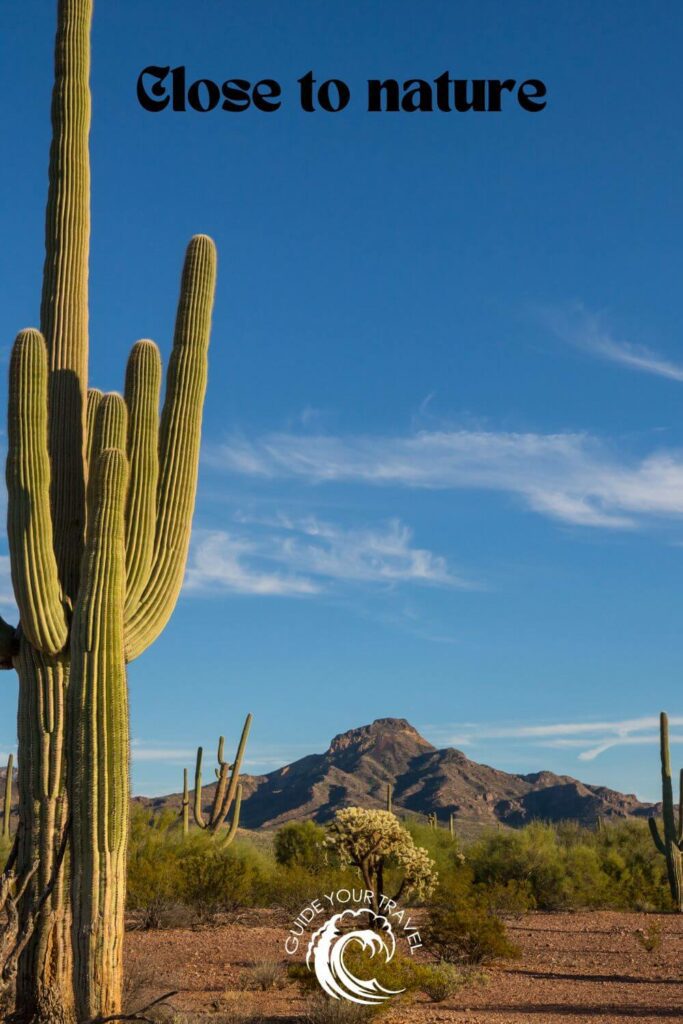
(359, 763)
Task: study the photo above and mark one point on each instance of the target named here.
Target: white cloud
(571, 477)
(283, 556)
(585, 330)
(140, 751)
(590, 739)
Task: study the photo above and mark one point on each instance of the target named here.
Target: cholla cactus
(368, 839)
(671, 845)
(228, 789)
(7, 805)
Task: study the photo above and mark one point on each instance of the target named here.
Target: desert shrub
(322, 1010)
(438, 981)
(567, 866)
(154, 877)
(301, 844)
(291, 888)
(219, 878)
(463, 926)
(266, 976)
(650, 938)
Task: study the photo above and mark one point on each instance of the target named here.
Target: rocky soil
(575, 967)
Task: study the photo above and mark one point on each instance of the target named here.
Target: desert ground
(575, 967)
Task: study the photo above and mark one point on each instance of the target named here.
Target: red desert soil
(575, 967)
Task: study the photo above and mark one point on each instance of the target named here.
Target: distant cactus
(228, 789)
(671, 845)
(451, 825)
(185, 806)
(432, 820)
(7, 806)
(390, 791)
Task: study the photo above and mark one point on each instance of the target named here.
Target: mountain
(354, 771)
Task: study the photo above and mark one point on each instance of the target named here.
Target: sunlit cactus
(228, 790)
(670, 844)
(100, 500)
(390, 793)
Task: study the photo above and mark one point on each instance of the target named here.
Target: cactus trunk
(670, 845)
(44, 984)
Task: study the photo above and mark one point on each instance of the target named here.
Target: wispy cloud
(141, 750)
(590, 739)
(571, 477)
(585, 330)
(285, 556)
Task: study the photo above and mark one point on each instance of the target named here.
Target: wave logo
(329, 944)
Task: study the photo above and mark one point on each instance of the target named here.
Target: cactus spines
(100, 500)
(7, 803)
(185, 805)
(671, 843)
(228, 788)
(390, 792)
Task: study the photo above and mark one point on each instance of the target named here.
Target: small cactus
(433, 820)
(7, 806)
(390, 793)
(228, 789)
(671, 845)
(451, 826)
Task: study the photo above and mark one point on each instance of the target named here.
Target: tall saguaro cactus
(671, 843)
(228, 789)
(100, 503)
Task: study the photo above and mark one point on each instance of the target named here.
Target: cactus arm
(654, 832)
(143, 384)
(234, 773)
(185, 806)
(29, 523)
(178, 446)
(111, 425)
(94, 399)
(234, 824)
(64, 303)
(197, 805)
(218, 811)
(99, 751)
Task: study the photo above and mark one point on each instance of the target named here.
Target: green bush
(567, 866)
(300, 844)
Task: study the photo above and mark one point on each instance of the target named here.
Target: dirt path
(575, 967)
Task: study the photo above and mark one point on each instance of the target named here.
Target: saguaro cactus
(7, 803)
(185, 805)
(100, 502)
(228, 789)
(390, 793)
(671, 844)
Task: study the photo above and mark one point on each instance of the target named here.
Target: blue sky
(442, 474)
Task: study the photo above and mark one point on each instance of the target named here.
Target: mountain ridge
(358, 764)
